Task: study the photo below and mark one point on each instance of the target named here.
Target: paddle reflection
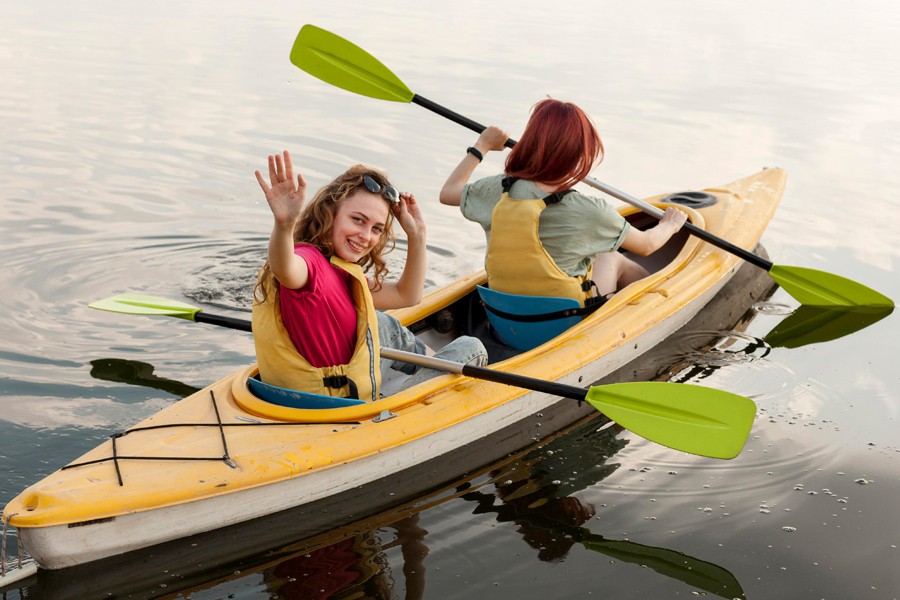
(135, 372)
(815, 324)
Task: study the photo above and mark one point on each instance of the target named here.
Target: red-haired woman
(545, 239)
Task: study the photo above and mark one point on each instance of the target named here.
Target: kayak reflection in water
(537, 491)
(355, 567)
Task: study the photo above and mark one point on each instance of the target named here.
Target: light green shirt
(572, 231)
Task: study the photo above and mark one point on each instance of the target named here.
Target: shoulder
(316, 264)
(525, 189)
(308, 251)
(486, 187)
(479, 197)
(577, 200)
(312, 255)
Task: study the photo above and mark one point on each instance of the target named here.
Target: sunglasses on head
(388, 191)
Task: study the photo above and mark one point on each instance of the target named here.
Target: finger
(262, 182)
(288, 166)
(273, 175)
(279, 167)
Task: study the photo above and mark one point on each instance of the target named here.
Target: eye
(378, 229)
(357, 219)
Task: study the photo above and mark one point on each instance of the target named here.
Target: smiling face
(359, 225)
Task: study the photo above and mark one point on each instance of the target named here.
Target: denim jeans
(392, 334)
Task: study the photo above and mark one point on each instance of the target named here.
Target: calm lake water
(129, 134)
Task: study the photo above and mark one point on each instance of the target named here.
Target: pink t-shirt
(320, 317)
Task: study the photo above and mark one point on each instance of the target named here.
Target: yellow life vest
(517, 262)
(281, 365)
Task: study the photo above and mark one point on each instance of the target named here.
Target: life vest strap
(548, 200)
(590, 305)
(339, 381)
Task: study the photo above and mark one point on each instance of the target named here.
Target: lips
(357, 247)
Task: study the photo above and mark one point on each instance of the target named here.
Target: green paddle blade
(334, 60)
(690, 418)
(818, 288)
(697, 573)
(815, 324)
(138, 304)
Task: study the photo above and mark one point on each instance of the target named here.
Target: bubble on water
(862, 481)
(772, 308)
(765, 511)
(789, 529)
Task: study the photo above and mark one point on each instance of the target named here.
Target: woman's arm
(492, 138)
(285, 197)
(407, 290)
(647, 242)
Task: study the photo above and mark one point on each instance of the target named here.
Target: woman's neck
(544, 187)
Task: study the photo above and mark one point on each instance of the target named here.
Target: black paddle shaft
(223, 321)
(454, 116)
(538, 385)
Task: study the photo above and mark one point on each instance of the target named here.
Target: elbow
(449, 196)
(413, 298)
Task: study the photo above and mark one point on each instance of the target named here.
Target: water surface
(129, 135)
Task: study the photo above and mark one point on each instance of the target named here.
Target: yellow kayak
(222, 456)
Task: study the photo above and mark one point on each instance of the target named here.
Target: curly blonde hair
(317, 221)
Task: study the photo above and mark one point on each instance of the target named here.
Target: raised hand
(409, 215)
(492, 138)
(284, 195)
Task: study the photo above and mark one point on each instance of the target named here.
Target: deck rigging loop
(225, 458)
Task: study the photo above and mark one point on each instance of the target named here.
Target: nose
(364, 234)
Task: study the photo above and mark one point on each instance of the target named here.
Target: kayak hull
(342, 463)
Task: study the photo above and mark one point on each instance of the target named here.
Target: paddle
(341, 63)
(693, 419)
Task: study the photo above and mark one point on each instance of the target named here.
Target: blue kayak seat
(295, 398)
(524, 334)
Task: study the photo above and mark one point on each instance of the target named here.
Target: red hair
(560, 146)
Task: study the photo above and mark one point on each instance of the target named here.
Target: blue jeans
(392, 334)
